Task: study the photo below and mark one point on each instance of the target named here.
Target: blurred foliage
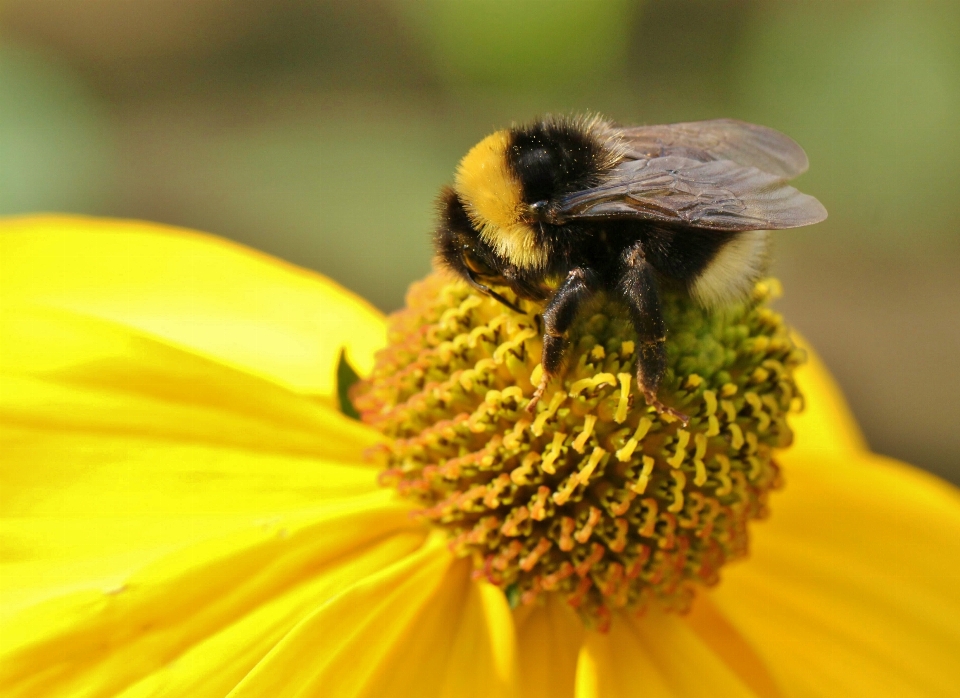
(873, 93)
(355, 204)
(526, 46)
(56, 149)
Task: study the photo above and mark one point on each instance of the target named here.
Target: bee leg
(486, 290)
(638, 289)
(558, 316)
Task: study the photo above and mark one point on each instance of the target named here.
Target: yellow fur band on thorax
(491, 195)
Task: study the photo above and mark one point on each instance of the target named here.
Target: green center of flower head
(594, 496)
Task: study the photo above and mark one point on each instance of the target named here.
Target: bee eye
(538, 210)
(476, 264)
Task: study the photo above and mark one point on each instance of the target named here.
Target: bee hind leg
(558, 316)
(637, 287)
(650, 362)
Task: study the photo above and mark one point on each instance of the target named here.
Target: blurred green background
(320, 131)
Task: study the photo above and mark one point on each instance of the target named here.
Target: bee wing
(717, 195)
(721, 139)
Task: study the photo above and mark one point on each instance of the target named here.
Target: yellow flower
(186, 512)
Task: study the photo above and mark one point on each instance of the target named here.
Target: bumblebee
(561, 209)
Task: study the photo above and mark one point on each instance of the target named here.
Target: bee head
(510, 181)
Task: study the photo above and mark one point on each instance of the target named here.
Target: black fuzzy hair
(455, 237)
(558, 155)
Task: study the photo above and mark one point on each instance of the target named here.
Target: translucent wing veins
(721, 139)
(719, 175)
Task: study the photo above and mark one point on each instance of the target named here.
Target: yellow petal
(420, 628)
(853, 585)
(483, 657)
(733, 649)
(549, 637)
(70, 374)
(655, 656)
(219, 606)
(215, 298)
(826, 425)
(117, 446)
(216, 665)
(120, 452)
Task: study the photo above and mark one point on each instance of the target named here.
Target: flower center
(594, 496)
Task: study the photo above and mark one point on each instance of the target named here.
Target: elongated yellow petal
(420, 628)
(67, 373)
(483, 657)
(548, 642)
(733, 649)
(117, 446)
(852, 585)
(220, 604)
(220, 300)
(215, 666)
(159, 510)
(826, 425)
(656, 656)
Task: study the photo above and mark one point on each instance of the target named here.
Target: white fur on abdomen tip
(732, 272)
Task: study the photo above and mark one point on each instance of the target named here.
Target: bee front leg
(486, 290)
(638, 289)
(558, 316)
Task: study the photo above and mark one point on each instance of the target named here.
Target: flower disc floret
(594, 495)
